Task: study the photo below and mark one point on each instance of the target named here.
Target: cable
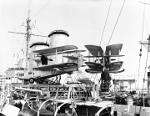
(11, 63)
(117, 21)
(147, 26)
(40, 10)
(78, 83)
(139, 67)
(83, 74)
(105, 22)
(147, 56)
(95, 77)
(143, 24)
(143, 82)
(142, 38)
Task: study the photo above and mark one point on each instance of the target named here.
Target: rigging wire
(139, 66)
(13, 55)
(138, 71)
(117, 21)
(144, 81)
(16, 48)
(77, 81)
(83, 75)
(41, 9)
(141, 40)
(96, 77)
(105, 22)
(140, 58)
(148, 31)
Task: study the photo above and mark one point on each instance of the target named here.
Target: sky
(84, 20)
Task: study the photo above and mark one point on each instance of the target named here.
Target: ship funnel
(58, 38)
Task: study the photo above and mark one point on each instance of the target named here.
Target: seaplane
(53, 62)
(104, 62)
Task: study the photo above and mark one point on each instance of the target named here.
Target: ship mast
(28, 35)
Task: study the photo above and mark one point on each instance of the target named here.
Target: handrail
(38, 111)
(55, 114)
(33, 90)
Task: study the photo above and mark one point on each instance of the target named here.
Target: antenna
(146, 44)
(144, 3)
(28, 35)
